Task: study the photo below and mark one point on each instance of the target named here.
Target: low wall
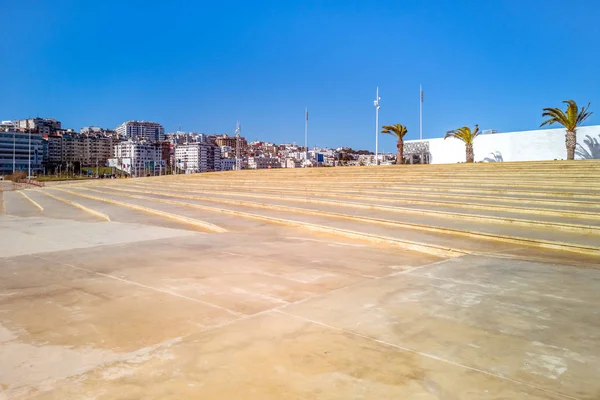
(538, 145)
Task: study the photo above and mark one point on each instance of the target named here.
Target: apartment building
(141, 130)
(292, 163)
(231, 141)
(227, 164)
(185, 138)
(97, 150)
(43, 126)
(138, 159)
(263, 162)
(88, 150)
(166, 151)
(198, 157)
(19, 151)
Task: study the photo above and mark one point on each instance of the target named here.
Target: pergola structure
(417, 153)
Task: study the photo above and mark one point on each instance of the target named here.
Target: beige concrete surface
(183, 315)
(144, 307)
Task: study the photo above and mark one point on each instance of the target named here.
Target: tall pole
(238, 161)
(14, 152)
(29, 157)
(306, 135)
(377, 107)
(97, 148)
(420, 112)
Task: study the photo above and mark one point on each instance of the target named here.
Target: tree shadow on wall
(494, 157)
(593, 149)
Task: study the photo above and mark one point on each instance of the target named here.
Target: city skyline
(262, 64)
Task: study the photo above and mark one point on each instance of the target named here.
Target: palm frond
(476, 132)
(584, 114)
(556, 116)
(570, 119)
(397, 130)
(571, 115)
(465, 134)
(449, 134)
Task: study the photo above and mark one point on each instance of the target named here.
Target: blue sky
(205, 65)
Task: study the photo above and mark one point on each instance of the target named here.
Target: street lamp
(306, 137)
(29, 158)
(14, 151)
(377, 107)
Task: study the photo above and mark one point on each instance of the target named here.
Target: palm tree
(571, 120)
(399, 131)
(468, 136)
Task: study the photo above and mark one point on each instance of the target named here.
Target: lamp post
(97, 149)
(14, 152)
(238, 161)
(420, 112)
(377, 107)
(306, 137)
(29, 158)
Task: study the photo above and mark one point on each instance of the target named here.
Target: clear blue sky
(205, 64)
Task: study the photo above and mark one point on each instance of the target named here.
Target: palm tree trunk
(470, 154)
(571, 142)
(400, 155)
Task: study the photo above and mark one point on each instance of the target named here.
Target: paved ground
(130, 311)
(106, 292)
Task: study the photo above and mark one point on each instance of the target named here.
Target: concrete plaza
(114, 290)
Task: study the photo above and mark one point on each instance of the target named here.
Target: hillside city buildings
(141, 148)
(141, 130)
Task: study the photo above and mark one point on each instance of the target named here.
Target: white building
(538, 145)
(227, 164)
(198, 157)
(138, 159)
(292, 163)
(263, 162)
(141, 130)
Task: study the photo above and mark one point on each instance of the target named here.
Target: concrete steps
(120, 213)
(581, 185)
(441, 209)
(391, 196)
(577, 238)
(582, 216)
(530, 191)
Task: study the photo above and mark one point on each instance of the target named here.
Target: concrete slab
(277, 356)
(56, 209)
(16, 204)
(205, 316)
(39, 235)
(507, 319)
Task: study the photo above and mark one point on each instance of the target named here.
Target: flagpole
(306, 135)
(29, 158)
(14, 151)
(377, 107)
(420, 112)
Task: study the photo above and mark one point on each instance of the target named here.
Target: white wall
(544, 144)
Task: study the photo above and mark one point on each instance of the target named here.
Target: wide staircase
(548, 209)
